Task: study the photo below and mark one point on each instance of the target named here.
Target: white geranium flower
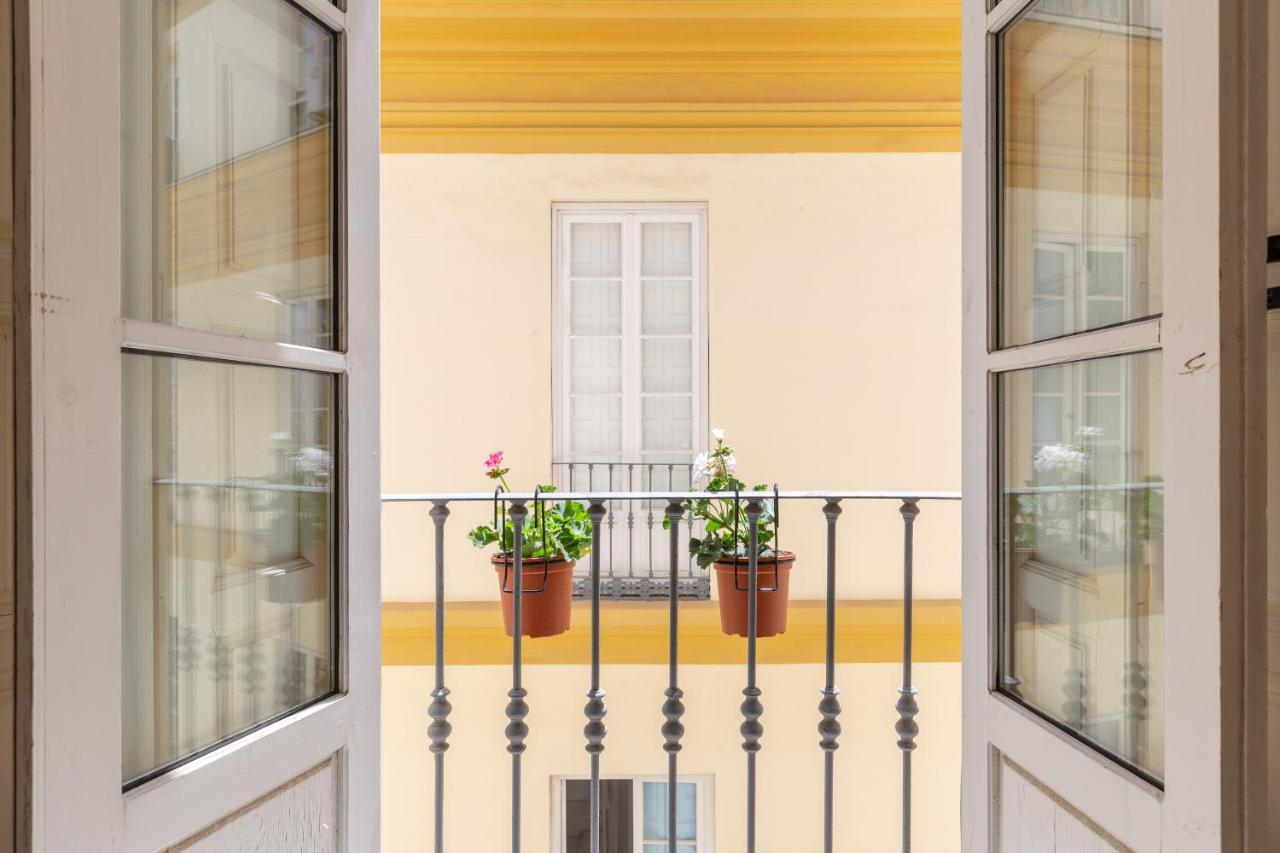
(1059, 458)
(1089, 432)
(701, 464)
(718, 433)
(730, 462)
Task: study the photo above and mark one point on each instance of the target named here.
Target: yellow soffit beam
(637, 76)
(636, 633)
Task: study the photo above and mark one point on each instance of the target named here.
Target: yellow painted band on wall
(636, 633)
(616, 140)
(647, 76)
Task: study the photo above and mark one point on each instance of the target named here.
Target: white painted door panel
(1113, 216)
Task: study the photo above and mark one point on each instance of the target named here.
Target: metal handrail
(528, 497)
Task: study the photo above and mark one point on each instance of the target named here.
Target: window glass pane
(595, 426)
(595, 366)
(595, 250)
(667, 307)
(1083, 550)
(616, 831)
(666, 365)
(1081, 167)
(228, 551)
(229, 170)
(666, 248)
(655, 811)
(595, 308)
(666, 424)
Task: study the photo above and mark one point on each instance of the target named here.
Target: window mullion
(637, 813)
(631, 324)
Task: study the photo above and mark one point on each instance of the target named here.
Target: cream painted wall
(868, 763)
(850, 263)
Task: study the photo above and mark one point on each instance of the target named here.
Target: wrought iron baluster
(752, 708)
(517, 709)
(595, 730)
(631, 526)
(440, 728)
(907, 706)
(829, 706)
(673, 708)
(613, 575)
(691, 523)
(673, 571)
(649, 518)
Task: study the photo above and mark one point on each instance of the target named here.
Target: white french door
(630, 342)
(1114, 355)
(198, 299)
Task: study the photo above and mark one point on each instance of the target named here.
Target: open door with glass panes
(1112, 430)
(200, 182)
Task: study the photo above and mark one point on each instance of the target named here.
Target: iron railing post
(439, 729)
(595, 730)
(907, 706)
(829, 706)
(673, 708)
(752, 708)
(517, 709)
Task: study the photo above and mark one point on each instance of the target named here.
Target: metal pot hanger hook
(540, 507)
(777, 543)
(737, 508)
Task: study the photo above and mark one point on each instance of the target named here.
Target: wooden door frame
(70, 337)
(1214, 415)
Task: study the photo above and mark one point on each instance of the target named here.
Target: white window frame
(631, 215)
(705, 783)
(1212, 339)
(69, 232)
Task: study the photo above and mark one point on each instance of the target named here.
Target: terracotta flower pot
(773, 573)
(543, 614)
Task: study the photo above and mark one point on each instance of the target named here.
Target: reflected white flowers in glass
(314, 463)
(1060, 459)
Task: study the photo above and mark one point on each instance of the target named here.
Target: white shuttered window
(630, 360)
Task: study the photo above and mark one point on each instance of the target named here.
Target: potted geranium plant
(555, 536)
(726, 542)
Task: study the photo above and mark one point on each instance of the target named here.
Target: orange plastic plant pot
(543, 614)
(774, 574)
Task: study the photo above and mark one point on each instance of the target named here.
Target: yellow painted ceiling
(670, 75)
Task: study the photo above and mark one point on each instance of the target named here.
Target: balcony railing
(668, 738)
(635, 564)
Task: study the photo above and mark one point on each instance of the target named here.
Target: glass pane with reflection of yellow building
(1083, 549)
(229, 191)
(1080, 207)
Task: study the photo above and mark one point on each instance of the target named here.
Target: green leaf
(483, 536)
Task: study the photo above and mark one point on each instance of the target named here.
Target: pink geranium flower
(493, 468)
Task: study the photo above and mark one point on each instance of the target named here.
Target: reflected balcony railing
(756, 508)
